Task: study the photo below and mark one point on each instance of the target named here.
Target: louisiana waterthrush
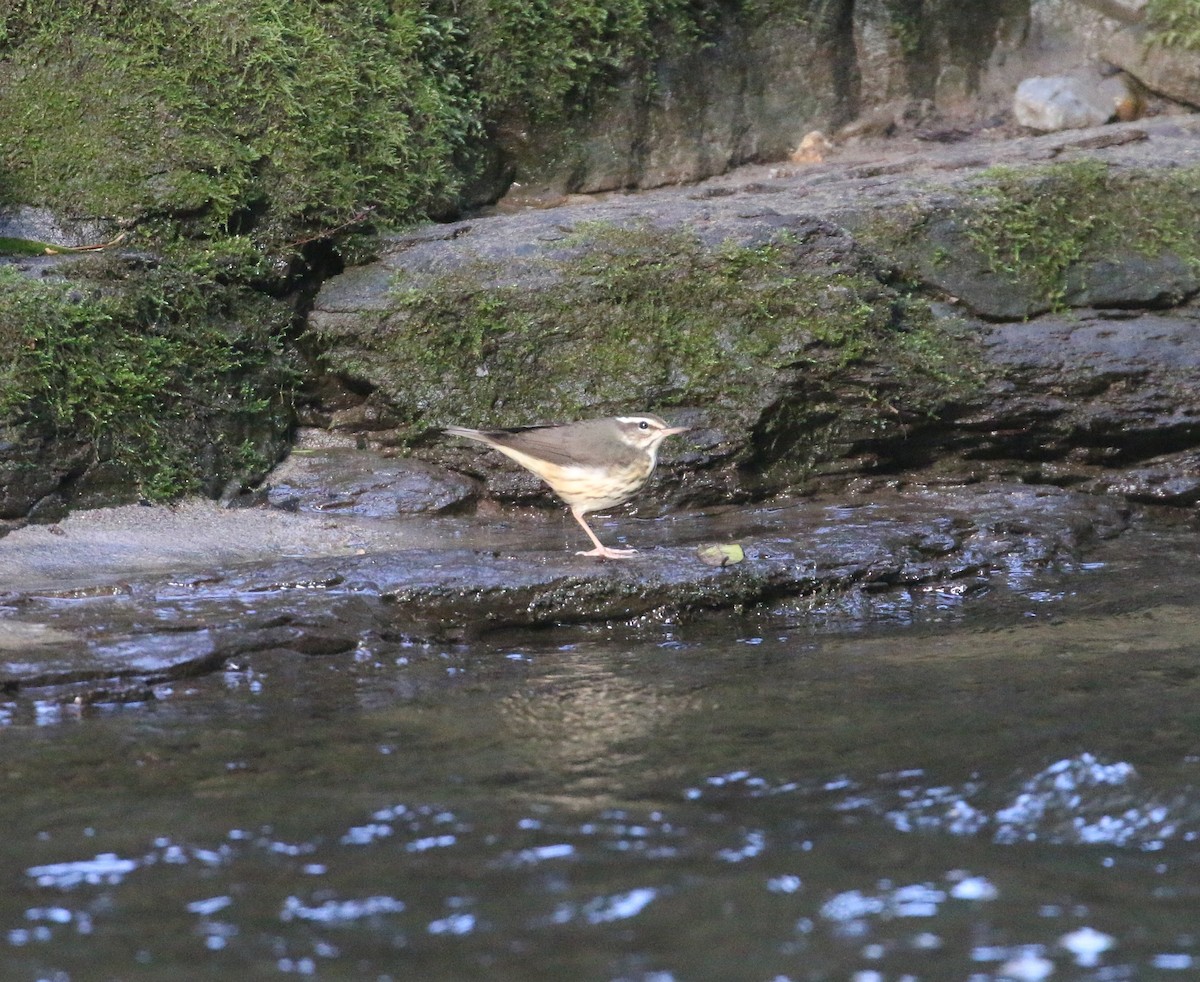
(591, 465)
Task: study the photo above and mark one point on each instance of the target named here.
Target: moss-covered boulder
(776, 336)
(125, 377)
(814, 326)
(272, 118)
(1017, 241)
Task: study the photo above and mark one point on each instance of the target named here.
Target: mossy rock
(125, 377)
(275, 117)
(782, 344)
(1018, 242)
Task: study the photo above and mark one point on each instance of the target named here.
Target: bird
(592, 464)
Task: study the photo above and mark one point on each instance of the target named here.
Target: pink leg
(602, 551)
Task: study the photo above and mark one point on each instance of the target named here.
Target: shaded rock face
(1172, 72)
(745, 97)
(753, 90)
(927, 331)
(33, 468)
(1100, 401)
(135, 596)
(941, 51)
(44, 475)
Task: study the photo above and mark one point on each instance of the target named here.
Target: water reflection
(983, 796)
(587, 718)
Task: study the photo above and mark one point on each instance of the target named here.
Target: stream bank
(998, 784)
(136, 597)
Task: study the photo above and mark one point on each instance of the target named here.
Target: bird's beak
(674, 430)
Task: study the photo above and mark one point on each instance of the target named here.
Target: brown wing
(590, 443)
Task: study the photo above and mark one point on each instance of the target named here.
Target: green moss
(905, 26)
(23, 247)
(544, 57)
(306, 113)
(644, 317)
(285, 117)
(1174, 23)
(172, 373)
(548, 59)
(1159, 211)
(1035, 225)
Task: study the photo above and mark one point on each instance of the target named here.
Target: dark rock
(1064, 398)
(346, 480)
(173, 594)
(738, 379)
(1171, 480)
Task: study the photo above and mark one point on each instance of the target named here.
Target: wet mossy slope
(809, 329)
(233, 154)
(122, 380)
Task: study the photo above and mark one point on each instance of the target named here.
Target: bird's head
(645, 432)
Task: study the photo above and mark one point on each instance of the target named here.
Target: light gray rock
(1169, 71)
(1049, 104)
(1125, 11)
(42, 225)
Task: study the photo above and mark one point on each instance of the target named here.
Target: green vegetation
(1174, 23)
(270, 115)
(224, 136)
(649, 317)
(1033, 226)
(905, 27)
(174, 374)
(283, 118)
(1037, 225)
(247, 131)
(550, 57)
(22, 247)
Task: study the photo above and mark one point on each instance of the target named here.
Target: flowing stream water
(909, 786)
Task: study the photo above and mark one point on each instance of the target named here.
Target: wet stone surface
(935, 733)
(991, 778)
(329, 474)
(246, 581)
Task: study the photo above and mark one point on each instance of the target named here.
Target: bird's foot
(604, 552)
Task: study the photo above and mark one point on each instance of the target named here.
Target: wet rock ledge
(112, 602)
(1012, 308)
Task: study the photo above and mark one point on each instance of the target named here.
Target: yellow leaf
(720, 554)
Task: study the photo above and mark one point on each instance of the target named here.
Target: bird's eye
(643, 425)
